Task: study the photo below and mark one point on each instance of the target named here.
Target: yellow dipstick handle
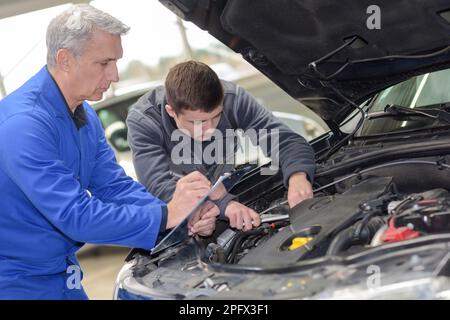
(299, 242)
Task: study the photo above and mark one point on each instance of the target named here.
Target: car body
(378, 226)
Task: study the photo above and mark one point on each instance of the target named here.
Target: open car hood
(283, 39)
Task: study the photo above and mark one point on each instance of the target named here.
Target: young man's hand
(203, 222)
(189, 190)
(242, 217)
(299, 189)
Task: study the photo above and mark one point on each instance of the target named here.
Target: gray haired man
(61, 186)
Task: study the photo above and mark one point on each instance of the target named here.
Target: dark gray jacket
(150, 129)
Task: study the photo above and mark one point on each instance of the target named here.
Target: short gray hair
(75, 26)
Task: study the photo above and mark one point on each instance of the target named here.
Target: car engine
(368, 213)
(392, 218)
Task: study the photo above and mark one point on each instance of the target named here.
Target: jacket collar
(52, 93)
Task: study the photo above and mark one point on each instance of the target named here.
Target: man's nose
(207, 125)
(112, 73)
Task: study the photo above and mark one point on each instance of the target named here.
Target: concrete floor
(100, 265)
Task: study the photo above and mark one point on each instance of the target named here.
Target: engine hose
(349, 237)
(237, 241)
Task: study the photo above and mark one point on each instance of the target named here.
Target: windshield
(424, 91)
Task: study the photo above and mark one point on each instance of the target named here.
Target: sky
(153, 34)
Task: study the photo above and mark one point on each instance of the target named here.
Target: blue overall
(47, 167)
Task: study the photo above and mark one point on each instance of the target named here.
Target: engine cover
(319, 219)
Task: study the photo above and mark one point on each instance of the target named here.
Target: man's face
(199, 124)
(91, 73)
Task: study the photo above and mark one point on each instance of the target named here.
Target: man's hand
(219, 192)
(241, 217)
(189, 190)
(203, 222)
(299, 189)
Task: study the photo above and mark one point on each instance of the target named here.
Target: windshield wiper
(438, 114)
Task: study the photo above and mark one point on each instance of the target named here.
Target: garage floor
(100, 267)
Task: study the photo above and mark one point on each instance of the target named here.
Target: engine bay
(393, 217)
(368, 209)
(370, 213)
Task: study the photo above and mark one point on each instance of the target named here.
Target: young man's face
(199, 124)
(91, 73)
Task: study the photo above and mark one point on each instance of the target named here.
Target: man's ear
(63, 59)
(170, 111)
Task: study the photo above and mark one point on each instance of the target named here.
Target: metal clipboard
(180, 232)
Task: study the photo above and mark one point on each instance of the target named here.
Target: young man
(61, 185)
(196, 102)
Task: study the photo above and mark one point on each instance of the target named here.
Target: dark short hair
(193, 85)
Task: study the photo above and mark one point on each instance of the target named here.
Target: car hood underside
(313, 48)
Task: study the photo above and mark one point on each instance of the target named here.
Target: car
(378, 226)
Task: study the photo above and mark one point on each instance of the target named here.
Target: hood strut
(325, 82)
(315, 64)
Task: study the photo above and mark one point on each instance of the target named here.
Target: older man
(61, 185)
